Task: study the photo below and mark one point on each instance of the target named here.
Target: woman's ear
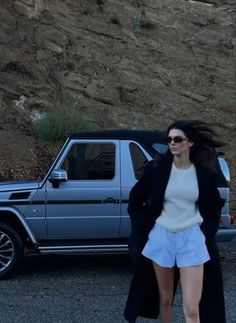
(190, 143)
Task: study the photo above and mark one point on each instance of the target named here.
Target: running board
(85, 249)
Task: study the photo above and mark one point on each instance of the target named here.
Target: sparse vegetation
(138, 3)
(140, 21)
(59, 124)
(227, 104)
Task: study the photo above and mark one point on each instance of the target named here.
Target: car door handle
(110, 200)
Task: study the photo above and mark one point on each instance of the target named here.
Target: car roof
(144, 137)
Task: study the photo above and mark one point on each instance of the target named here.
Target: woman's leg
(191, 284)
(165, 280)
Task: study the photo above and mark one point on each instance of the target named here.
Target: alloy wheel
(6, 251)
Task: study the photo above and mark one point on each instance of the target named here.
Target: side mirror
(58, 176)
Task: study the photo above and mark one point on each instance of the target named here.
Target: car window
(221, 180)
(93, 161)
(139, 160)
(160, 148)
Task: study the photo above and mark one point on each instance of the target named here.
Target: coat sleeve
(138, 212)
(140, 192)
(217, 202)
(213, 210)
(212, 308)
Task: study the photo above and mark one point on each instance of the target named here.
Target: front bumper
(225, 234)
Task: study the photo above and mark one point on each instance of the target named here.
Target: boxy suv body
(80, 205)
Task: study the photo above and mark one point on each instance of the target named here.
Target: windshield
(160, 148)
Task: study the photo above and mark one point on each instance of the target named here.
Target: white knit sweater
(180, 210)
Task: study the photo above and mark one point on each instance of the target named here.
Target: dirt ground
(23, 157)
(119, 64)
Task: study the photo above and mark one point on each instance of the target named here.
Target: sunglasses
(177, 139)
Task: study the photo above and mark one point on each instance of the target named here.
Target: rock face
(127, 63)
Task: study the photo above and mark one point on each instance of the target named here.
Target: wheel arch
(13, 218)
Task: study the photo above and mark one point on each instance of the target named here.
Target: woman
(175, 210)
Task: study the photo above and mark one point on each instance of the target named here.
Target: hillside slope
(121, 64)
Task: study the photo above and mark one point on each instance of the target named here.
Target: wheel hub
(6, 251)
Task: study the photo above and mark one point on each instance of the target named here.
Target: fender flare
(23, 222)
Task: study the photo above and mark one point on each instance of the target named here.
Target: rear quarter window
(221, 180)
(139, 160)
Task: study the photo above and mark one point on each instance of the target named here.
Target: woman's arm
(140, 192)
(213, 210)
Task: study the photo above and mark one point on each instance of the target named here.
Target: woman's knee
(191, 311)
(166, 299)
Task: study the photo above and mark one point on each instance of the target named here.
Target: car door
(87, 205)
(133, 161)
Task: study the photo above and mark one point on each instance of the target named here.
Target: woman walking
(175, 210)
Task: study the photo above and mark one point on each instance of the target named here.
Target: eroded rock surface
(128, 63)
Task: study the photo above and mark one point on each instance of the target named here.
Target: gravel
(86, 289)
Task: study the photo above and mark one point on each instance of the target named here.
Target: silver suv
(80, 205)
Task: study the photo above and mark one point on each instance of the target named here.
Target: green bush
(58, 124)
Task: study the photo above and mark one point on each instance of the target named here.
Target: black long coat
(145, 205)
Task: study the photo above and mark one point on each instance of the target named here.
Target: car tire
(11, 250)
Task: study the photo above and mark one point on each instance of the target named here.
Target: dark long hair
(204, 141)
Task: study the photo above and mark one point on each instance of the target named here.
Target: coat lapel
(160, 180)
(163, 175)
(201, 178)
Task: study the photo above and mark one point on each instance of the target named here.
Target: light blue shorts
(183, 248)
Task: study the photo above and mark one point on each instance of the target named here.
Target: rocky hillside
(121, 64)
